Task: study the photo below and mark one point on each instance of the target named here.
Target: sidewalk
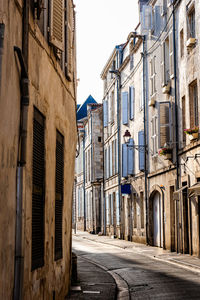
(93, 282)
(184, 261)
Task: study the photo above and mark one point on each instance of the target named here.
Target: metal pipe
(145, 140)
(176, 121)
(23, 59)
(2, 29)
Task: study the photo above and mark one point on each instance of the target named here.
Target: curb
(121, 289)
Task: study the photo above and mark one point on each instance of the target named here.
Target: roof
(82, 110)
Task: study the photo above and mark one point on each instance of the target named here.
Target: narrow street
(137, 274)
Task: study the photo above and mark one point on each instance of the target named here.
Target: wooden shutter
(69, 37)
(124, 107)
(154, 135)
(147, 23)
(105, 113)
(124, 160)
(171, 55)
(164, 124)
(59, 194)
(157, 20)
(141, 150)
(131, 101)
(130, 157)
(38, 191)
(57, 24)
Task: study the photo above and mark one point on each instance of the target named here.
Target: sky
(100, 26)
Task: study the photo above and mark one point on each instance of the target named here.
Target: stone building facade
(89, 169)
(37, 147)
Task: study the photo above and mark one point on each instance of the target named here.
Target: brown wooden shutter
(69, 38)
(164, 124)
(57, 24)
(59, 194)
(38, 191)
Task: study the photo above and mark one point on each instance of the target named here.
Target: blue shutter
(157, 20)
(117, 209)
(132, 101)
(141, 150)
(130, 158)
(124, 160)
(105, 113)
(124, 107)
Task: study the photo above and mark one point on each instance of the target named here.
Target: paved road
(144, 277)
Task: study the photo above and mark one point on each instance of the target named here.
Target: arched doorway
(157, 224)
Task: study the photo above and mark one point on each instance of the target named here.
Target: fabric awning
(194, 190)
(177, 193)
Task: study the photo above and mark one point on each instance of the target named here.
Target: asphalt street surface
(143, 277)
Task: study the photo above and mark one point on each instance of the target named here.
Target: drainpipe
(145, 139)
(84, 181)
(2, 29)
(176, 121)
(23, 60)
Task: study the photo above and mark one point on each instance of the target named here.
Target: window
(134, 211)
(181, 43)
(165, 62)
(165, 125)
(141, 92)
(99, 139)
(105, 113)
(38, 192)
(183, 119)
(112, 106)
(107, 210)
(191, 22)
(59, 194)
(153, 75)
(131, 102)
(141, 143)
(193, 100)
(154, 134)
(113, 157)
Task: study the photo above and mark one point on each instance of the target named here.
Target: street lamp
(127, 137)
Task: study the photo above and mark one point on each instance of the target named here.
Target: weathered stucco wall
(54, 97)
(9, 132)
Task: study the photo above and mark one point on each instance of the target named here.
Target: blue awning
(126, 189)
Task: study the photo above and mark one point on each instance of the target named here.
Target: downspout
(84, 181)
(2, 29)
(23, 60)
(104, 199)
(145, 141)
(176, 121)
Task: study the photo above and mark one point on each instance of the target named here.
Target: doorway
(157, 231)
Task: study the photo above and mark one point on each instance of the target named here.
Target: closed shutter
(163, 73)
(59, 194)
(171, 55)
(124, 107)
(38, 191)
(124, 160)
(164, 124)
(157, 20)
(130, 158)
(117, 209)
(132, 101)
(69, 38)
(147, 23)
(105, 113)
(141, 150)
(107, 210)
(57, 24)
(154, 135)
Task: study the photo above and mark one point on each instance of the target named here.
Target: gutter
(24, 82)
